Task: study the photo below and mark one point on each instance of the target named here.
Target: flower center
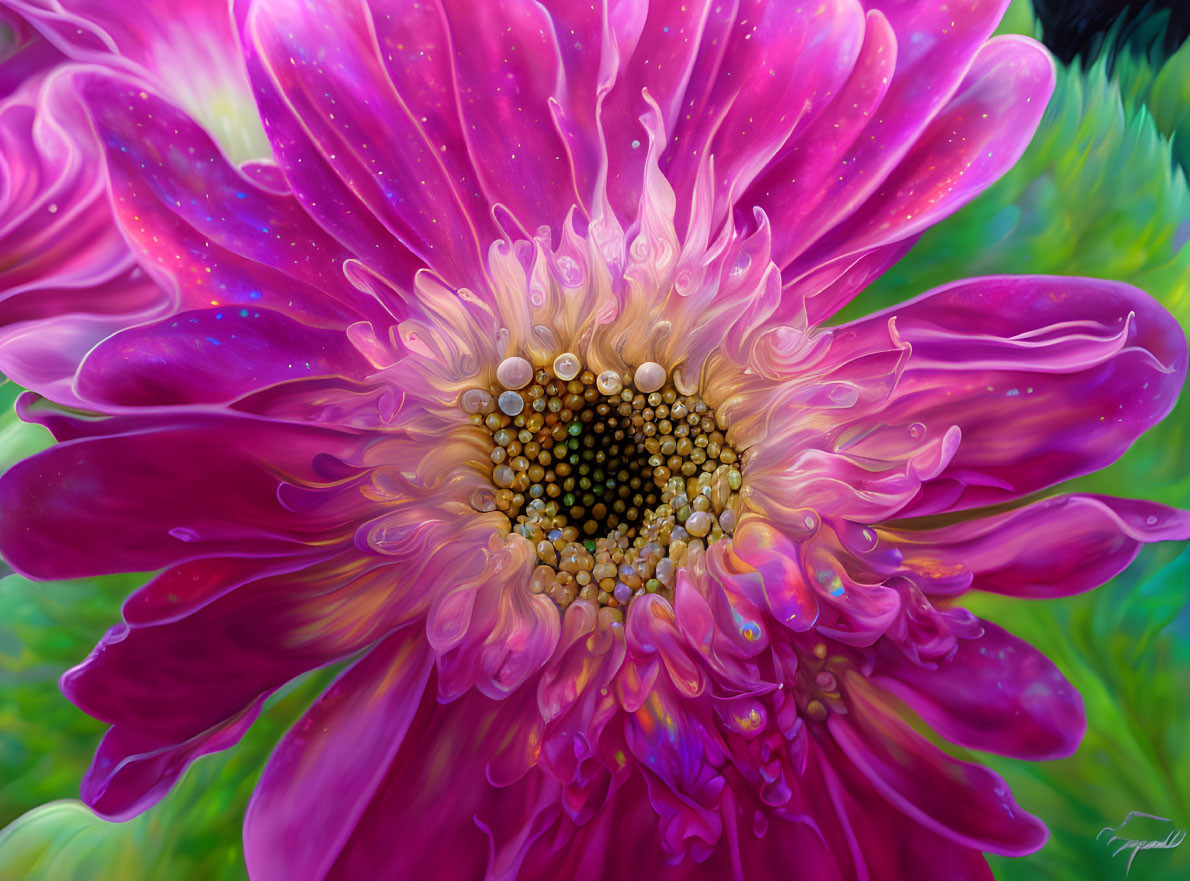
(613, 478)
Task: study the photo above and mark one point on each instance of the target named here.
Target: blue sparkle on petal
(213, 341)
(240, 195)
(243, 313)
(254, 295)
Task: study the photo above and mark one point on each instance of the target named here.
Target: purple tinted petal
(1051, 548)
(968, 145)
(167, 687)
(212, 356)
(996, 693)
(967, 803)
(887, 843)
(506, 66)
(435, 815)
(327, 767)
(132, 771)
(782, 63)
(354, 149)
(1046, 378)
(201, 486)
(204, 229)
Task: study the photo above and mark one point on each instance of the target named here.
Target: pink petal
(885, 843)
(212, 355)
(970, 144)
(996, 693)
(201, 486)
(68, 278)
(205, 230)
(170, 688)
(1055, 547)
(353, 142)
(185, 48)
(132, 769)
(435, 815)
(506, 66)
(934, 44)
(966, 803)
(1046, 378)
(328, 766)
(781, 64)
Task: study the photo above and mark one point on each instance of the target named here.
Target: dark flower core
(613, 478)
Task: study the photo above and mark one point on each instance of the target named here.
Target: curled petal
(964, 802)
(996, 693)
(1046, 378)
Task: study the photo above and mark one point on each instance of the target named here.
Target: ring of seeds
(613, 478)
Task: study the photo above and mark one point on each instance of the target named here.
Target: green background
(1100, 192)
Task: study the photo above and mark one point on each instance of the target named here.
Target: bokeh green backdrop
(1100, 192)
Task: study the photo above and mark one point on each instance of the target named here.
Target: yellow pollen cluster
(613, 478)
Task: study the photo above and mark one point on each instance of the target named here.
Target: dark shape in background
(1085, 28)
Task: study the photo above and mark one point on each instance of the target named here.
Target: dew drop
(511, 403)
(917, 429)
(609, 383)
(567, 366)
(475, 400)
(1151, 519)
(649, 377)
(183, 533)
(514, 373)
(569, 271)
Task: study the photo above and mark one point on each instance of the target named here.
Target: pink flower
(517, 380)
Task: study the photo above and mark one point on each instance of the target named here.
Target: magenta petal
(202, 486)
(967, 803)
(204, 229)
(970, 144)
(506, 65)
(406, 182)
(997, 693)
(185, 686)
(212, 356)
(781, 64)
(132, 770)
(327, 767)
(67, 278)
(178, 42)
(435, 815)
(1046, 378)
(790, 600)
(934, 44)
(889, 845)
(1055, 547)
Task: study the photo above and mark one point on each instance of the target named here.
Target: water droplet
(609, 383)
(511, 403)
(916, 429)
(514, 373)
(567, 366)
(569, 270)
(649, 377)
(184, 533)
(475, 400)
(1151, 519)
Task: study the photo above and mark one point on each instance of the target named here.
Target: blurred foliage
(1099, 192)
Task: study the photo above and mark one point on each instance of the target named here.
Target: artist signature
(1136, 845)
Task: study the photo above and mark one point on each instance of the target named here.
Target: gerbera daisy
(513, 380)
